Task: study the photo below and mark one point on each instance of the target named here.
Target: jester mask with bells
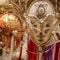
(40, 19)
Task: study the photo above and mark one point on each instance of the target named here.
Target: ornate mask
(41, 21)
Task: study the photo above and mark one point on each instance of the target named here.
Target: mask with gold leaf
(41, 21)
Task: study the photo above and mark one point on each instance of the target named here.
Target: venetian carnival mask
(41, 21)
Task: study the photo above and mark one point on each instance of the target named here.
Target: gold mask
(41, 21)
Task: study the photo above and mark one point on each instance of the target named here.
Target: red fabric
(51, 54)
(32, 51)
(57, 51)
(31, 48)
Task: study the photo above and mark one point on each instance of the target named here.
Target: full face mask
(41, 20)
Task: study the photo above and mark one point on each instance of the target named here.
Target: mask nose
(41, 35)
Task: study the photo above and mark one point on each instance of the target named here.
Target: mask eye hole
(46, 30)
(34, 23)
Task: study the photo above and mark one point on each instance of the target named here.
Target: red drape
(51, 54)
(32, 51)
(57, 53)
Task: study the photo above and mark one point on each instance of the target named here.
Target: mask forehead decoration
(41, 20)
(41, 8)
